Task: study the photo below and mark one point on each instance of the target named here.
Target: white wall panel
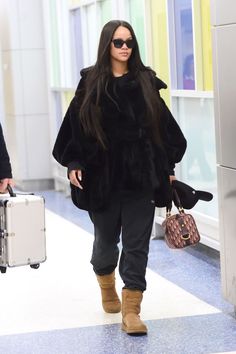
(9, 24)
(224, 49)
(224, 70)
(30, 24)
(25, 91)
(227, 193)
(25, 88)
(12, 78)
(29, 147)
(223, 12)
(34, 82)
(37, 147)
(17, 147)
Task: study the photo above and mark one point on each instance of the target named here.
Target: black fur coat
(132, 161)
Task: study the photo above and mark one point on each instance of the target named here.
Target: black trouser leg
(134, 211)
(137, 214)
(107, 227)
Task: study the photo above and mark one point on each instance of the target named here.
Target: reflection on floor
(56, 309)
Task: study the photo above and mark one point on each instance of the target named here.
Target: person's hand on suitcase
(75, 177)
(3, 184)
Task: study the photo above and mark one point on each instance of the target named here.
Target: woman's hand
(75, 177)
(172, 178)
(3, 184)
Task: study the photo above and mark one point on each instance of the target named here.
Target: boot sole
(133, 332)
(112, 311)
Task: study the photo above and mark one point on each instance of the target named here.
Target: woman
(120, 144)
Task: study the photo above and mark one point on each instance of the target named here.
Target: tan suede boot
(131, 323)
(110, 301)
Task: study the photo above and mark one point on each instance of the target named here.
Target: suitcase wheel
(35, 266)
(3, 269)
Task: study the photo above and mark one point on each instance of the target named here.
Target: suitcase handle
(13, 194)
(10, 190)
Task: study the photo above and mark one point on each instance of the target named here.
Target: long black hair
(97, 81)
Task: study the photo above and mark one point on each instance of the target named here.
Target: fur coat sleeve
(68, 148)
(173, 139)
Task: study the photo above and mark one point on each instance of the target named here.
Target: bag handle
(177, 199)
(178, 203)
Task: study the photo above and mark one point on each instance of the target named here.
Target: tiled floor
(56, 309)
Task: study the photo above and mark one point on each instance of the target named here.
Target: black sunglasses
(118, 43)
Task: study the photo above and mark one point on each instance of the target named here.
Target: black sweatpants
(130, 214)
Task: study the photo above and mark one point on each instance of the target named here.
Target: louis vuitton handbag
(180, 229)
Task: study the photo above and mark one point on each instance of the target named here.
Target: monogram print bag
(180, 229)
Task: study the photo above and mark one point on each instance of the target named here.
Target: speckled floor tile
(188, 335)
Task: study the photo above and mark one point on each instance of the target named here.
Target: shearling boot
(110, 301)
(131, 323)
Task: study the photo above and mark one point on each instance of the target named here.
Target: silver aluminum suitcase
(22, 230)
